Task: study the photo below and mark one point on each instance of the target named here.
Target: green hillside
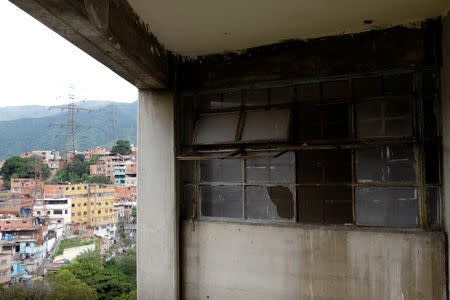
(27, 134)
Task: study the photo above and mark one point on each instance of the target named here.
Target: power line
(71, 125)
(112, 121)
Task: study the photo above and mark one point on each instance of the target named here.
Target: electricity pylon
(71, 125)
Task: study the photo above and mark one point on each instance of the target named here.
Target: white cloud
(37, 65)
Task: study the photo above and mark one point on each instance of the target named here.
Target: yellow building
(92, 204)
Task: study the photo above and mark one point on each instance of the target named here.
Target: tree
(18, 167)
(109, 282)
(67, 286)
(102, 179)
(79, 157)
(122, 146)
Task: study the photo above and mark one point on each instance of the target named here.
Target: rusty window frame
(356, 143)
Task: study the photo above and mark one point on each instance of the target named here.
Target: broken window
(269, 202)
(221, 201)
(323, 122)
(266, 126)
(216, 128)
(386, 164)
(352, 159)
(332, 205)
(384, 118)
(324, 166)
(275, 170)
(386, 206)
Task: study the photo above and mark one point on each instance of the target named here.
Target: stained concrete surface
(251, 261)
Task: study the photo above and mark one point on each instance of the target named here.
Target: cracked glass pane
(269, 202)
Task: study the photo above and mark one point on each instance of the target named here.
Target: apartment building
(24, 188)
(57, 210)
(92, 204)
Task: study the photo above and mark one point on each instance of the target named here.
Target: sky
(37, 66)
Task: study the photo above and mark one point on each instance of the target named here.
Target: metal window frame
(352, 143)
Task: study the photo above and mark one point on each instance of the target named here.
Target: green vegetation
(18, 167)
(78, 172)
(87, 277)
(66, 286)
(123, 147)
(73, 242)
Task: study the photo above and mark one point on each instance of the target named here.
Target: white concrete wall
(249, 261)
(157, 234)
(445, 98)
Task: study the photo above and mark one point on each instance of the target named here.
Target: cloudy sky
(37, 66)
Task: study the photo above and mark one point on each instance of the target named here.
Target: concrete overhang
(140, 39)
(202, 27)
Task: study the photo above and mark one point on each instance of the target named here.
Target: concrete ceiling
(199, 27)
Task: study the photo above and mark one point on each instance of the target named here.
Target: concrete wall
(157, 234)
(248, 261)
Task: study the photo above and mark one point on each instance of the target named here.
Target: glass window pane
(432, 162)
(433, 200)
(308, 93)
(269, 202)
(401, 84)
(324, 166)
(187, 203)
(336, 89)
(277, 170)
(188, 118)
(384, 118)
(257, 97)
(221, 201)
(280, 95)
(208, 103)
(214, 102)
(331, 205)
(266, 125)
(216, 128)
(388, 164)
(367, 87)
(323, 122)
(401, 165)
(188, 171)
(221, 170)
(386, 206)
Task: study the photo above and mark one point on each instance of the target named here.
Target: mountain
(24, 134)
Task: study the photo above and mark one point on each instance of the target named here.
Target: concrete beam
(111, 33)
(391, 48)
(157, 229)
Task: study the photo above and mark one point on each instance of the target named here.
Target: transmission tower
(71, 125)
(112, 121)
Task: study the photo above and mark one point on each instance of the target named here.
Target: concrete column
(445, 96)
(157, 232)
